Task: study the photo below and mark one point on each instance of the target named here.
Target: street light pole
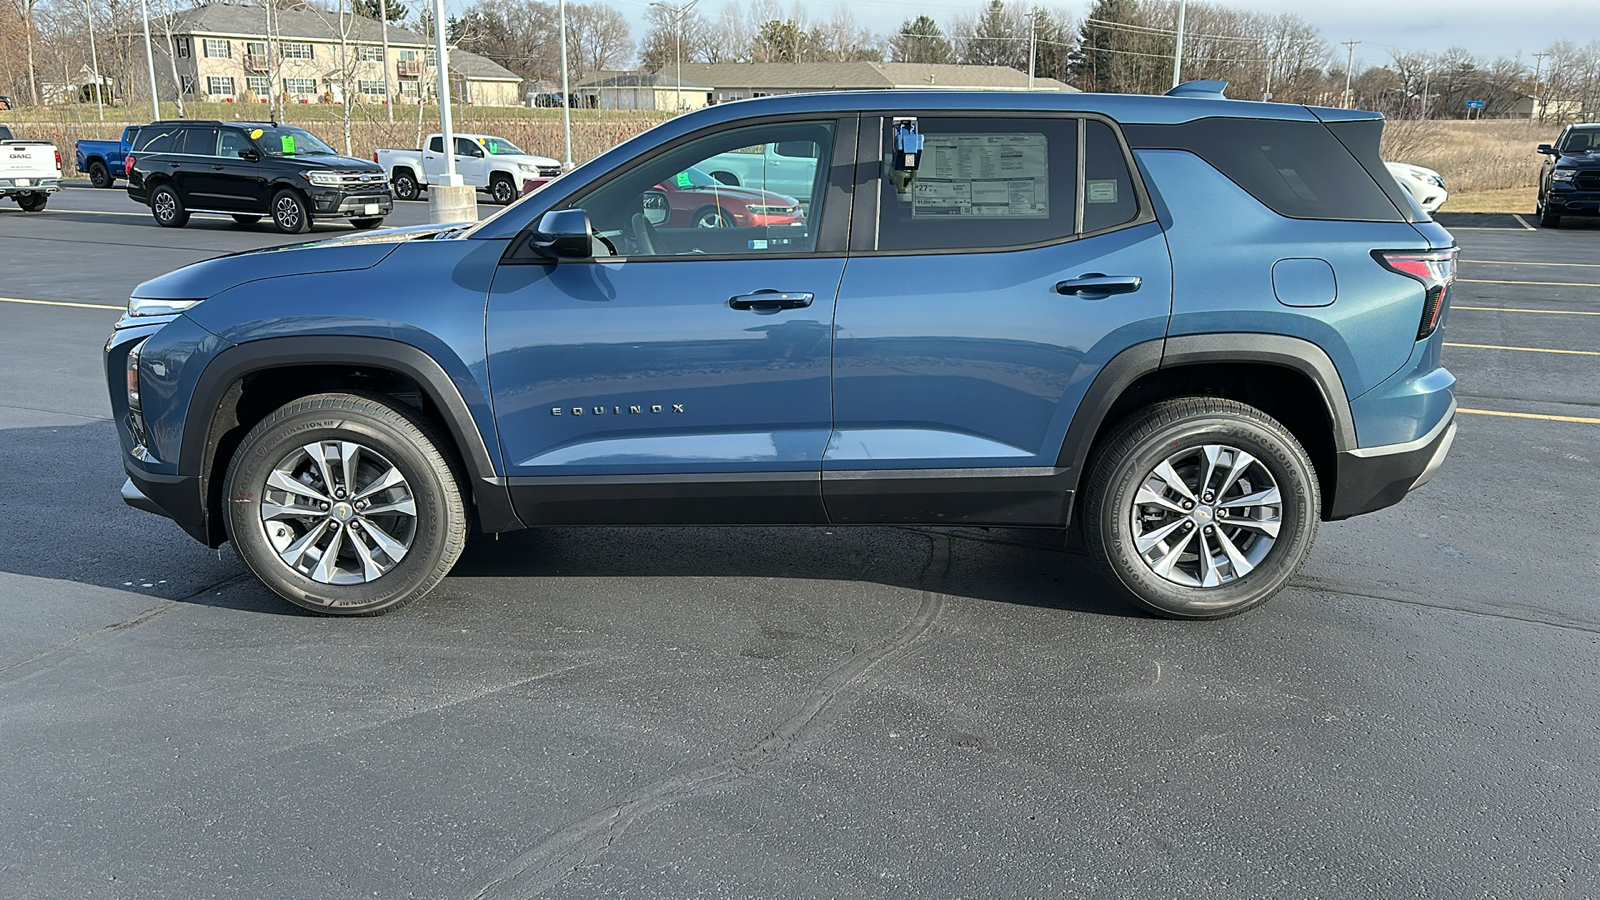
(566, 94)
(94, 61)
(150, 64)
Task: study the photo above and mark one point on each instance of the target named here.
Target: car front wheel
(1200, 508)
(345, 504)
(289, 213)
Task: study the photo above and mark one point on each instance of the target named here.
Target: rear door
(984, 292)
(682, 375)
(197, 173)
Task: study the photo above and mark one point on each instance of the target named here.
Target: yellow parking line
(61, 303)
(1530, 283)
(1503, 262)
(1515, 415)
(1526, 349)
(1548, 312)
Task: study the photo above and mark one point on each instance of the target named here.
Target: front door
(470, 163)
(681, 375)
(998, 281)
(238, 182)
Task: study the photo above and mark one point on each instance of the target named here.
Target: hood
(1400, 168)
(527, 159)
(1579, 159)
(335, 162)
(343, 254)
(747, 195)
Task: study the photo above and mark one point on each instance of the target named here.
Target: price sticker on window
(684, 180)
(287, 143)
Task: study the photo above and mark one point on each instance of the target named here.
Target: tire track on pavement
(579, 843)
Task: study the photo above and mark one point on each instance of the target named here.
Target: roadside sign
(1475, 104)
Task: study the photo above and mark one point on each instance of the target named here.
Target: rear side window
(160, 140)
(1108, 198)
(200, 142)
(436, 144)
(1297, 169)
(981, 183)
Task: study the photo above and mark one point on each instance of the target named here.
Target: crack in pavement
(115, 627)
(1311, 584)
(570, 848)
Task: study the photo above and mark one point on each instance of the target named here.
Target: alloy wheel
(287, 213)
(166, 206)
(1206, 516)
(338, 512)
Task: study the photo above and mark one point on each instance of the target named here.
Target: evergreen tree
(372, 10)
(920, 41)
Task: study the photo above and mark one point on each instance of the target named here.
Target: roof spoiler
(1201, 90)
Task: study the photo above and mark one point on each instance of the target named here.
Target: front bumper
(351, 205)
(1373, 478)
(176, 497)
(1572, 202)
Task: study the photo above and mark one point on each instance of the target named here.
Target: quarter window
(688, 202)
(1108, 198)
(981, 183)
(218, 48)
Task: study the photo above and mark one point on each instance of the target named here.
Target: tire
(32, 202)
(1138, 528)
(243, 219)
(284, 536)
(100, 176)
(364, 224)
(289, 214)
(1548, 219)
(502, 190)
(405, 185)
(168, 208)
(712, 217)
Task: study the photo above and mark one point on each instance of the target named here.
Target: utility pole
(1177, 53)
(1427, 75)
(1538, 113)
(566, 95)
(677, 13)
(1033, 42)
(94, 62)
(150, 64)
(1349, 66)
(388, 86)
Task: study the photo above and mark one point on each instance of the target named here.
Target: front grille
(361, 179)
(549, 171)
(1588, 181)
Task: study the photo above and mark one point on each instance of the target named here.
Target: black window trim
(846, 128)
(864, 232)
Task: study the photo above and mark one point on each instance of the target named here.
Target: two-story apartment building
(222, 51)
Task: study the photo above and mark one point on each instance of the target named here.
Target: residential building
(738, 81)
(641, 90)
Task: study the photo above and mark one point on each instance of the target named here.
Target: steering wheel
(645, 240)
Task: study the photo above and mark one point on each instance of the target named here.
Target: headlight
(1564, 175)
(530, 168)
(133, 377)
(143, 306)
(326, 179)
(772, 210)
(1435, 180)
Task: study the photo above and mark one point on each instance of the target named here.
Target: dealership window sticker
(983, 176)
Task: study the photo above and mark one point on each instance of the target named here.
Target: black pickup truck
(1569, 181)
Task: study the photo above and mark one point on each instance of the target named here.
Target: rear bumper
(10, 186)
(1373, 478)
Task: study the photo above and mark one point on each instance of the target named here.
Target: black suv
(249, 170)
(1569, 182)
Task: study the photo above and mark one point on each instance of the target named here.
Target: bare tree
(601, 37)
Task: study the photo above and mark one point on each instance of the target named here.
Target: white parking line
(1521, 222)
(60, 303)
(1547, 312)
(1526, 349)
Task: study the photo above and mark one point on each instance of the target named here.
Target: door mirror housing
(656, 208)
(250, 155)
(1547, 150)
(563, 234)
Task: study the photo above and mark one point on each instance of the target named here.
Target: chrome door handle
(1095, 284)
(772, 300)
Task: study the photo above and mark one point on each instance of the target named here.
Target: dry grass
(1505, 200)
(1474, 157)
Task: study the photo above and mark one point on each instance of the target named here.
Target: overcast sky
(1485, 27)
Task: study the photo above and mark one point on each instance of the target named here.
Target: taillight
(127, 166)
(1436, 269)
(374, 156)
(58, 159)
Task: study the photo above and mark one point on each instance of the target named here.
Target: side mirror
(563, 234)
(727, 178)
(1547, 150)
(656, 209)
(249, 155)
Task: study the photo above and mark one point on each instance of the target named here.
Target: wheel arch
(234, 395)
(1290, 379)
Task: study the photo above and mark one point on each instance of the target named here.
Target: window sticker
(1100, 191)
(256, 135)
(684, 180)
(983, 176)
(492, 146)
(287, 143)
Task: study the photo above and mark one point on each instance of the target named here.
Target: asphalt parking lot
(803, 712)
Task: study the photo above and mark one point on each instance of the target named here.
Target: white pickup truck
(30, 171)
(489, 163)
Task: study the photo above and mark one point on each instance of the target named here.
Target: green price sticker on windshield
(683, 180)
(493, 147)
(288, 143)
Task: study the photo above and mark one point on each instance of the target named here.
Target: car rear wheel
(502, 190)
(345, 504)
(1200, 508)
(168, 208)
(100, 176)
(289, 213)
(405, 185)
(243, 219)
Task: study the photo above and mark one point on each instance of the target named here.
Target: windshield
(285, 140)
(498, 146)
(1581, 140)
(694, 178)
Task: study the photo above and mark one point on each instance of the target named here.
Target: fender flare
(487, 489)
(1141, 359)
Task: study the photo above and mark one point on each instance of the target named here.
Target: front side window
(233, 142)
(981, 183)
(675, 205)
(467, 147)
(218, 48)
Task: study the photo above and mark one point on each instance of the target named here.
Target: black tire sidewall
(401, 190)
(276, 438)
(180, 215)
(305, 214)
(1111, 530)
(511, 190)
(99, 175)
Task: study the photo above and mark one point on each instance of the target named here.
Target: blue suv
(1198, 326)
